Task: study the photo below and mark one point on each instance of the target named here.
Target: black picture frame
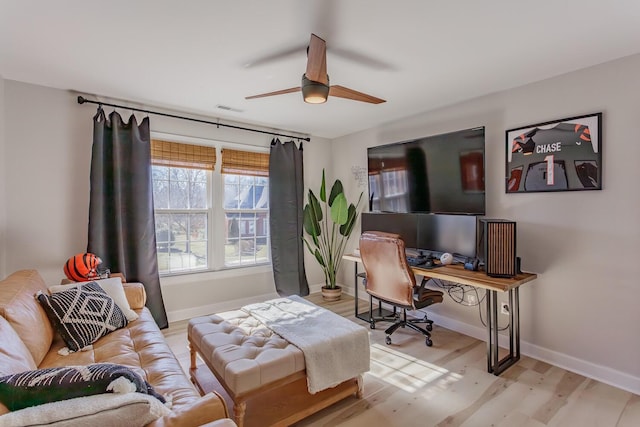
(559, 155)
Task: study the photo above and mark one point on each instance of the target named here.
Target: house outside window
(205, 219)
(246, 209)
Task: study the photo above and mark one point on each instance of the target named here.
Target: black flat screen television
(436, 174)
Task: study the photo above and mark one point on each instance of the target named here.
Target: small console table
(492, 285)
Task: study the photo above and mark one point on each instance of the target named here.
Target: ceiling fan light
(314, 92)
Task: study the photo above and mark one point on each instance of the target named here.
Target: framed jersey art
(563, 155)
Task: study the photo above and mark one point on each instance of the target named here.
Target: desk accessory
(500, 247)
(446, 258)
(472, 264)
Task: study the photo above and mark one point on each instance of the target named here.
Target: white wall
(317, 156)
(48, 143)
(582, 311)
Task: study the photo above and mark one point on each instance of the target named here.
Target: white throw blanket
(335, 349)
(99, 410)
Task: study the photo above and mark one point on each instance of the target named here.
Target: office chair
(389, 278)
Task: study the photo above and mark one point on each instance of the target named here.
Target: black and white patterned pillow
(32, 388)
(82, 314)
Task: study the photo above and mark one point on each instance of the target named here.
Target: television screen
(436, 174)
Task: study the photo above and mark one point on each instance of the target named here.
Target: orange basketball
(82, 267)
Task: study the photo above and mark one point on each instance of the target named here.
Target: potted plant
(329, 224)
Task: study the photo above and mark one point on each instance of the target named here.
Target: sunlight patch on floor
(406, 372)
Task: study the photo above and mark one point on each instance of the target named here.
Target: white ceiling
(192, 56)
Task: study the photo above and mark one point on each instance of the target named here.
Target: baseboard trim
(588, 369)
(583, 367)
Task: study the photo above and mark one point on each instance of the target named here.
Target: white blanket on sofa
(335, 349)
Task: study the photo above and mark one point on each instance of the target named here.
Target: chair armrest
(136, 295)
(426, 296)
(208, 408)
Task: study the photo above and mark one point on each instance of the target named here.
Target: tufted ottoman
(263, 373)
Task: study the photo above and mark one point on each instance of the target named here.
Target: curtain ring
(99, 114)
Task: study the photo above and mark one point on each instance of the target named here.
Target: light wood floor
(410, 384)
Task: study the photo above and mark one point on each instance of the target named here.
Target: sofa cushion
(32, 388)
(113, 288)
(82, 314)
(23, 312)
(14, 355)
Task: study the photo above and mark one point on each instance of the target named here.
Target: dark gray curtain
(286, 199)
(121, 221)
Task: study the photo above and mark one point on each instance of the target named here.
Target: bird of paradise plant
(329, 224)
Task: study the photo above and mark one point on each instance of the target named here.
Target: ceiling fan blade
(278, 92)
(317, 60)
(362, 59)
(281, 55)
(345, 92)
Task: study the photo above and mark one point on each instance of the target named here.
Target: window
(199, 228)
(182, 218)
(246, 207)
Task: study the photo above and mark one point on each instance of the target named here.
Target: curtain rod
(82, 100)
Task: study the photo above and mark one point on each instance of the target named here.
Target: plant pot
(331, 294)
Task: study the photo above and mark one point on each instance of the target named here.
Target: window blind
(179, 155)
(245, 162)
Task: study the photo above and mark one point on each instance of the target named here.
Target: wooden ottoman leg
(238, 412)
(192, 352)
(360, 392)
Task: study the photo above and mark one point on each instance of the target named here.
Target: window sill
(179, 278)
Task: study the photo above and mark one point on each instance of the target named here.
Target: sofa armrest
(136, 295)
(210, 407)
(226, 422)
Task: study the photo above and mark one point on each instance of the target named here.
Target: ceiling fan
(315, 81)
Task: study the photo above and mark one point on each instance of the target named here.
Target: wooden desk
(492, 285)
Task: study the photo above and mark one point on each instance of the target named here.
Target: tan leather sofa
(28, 341)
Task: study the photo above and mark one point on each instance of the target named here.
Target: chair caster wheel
(388, 340)
(428, 342)
(372, 325)
(429, 327)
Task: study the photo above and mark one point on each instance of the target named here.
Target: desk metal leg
(494, 365)
(355, 291)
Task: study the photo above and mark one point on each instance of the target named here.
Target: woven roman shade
(175, 154)
(245, 162)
